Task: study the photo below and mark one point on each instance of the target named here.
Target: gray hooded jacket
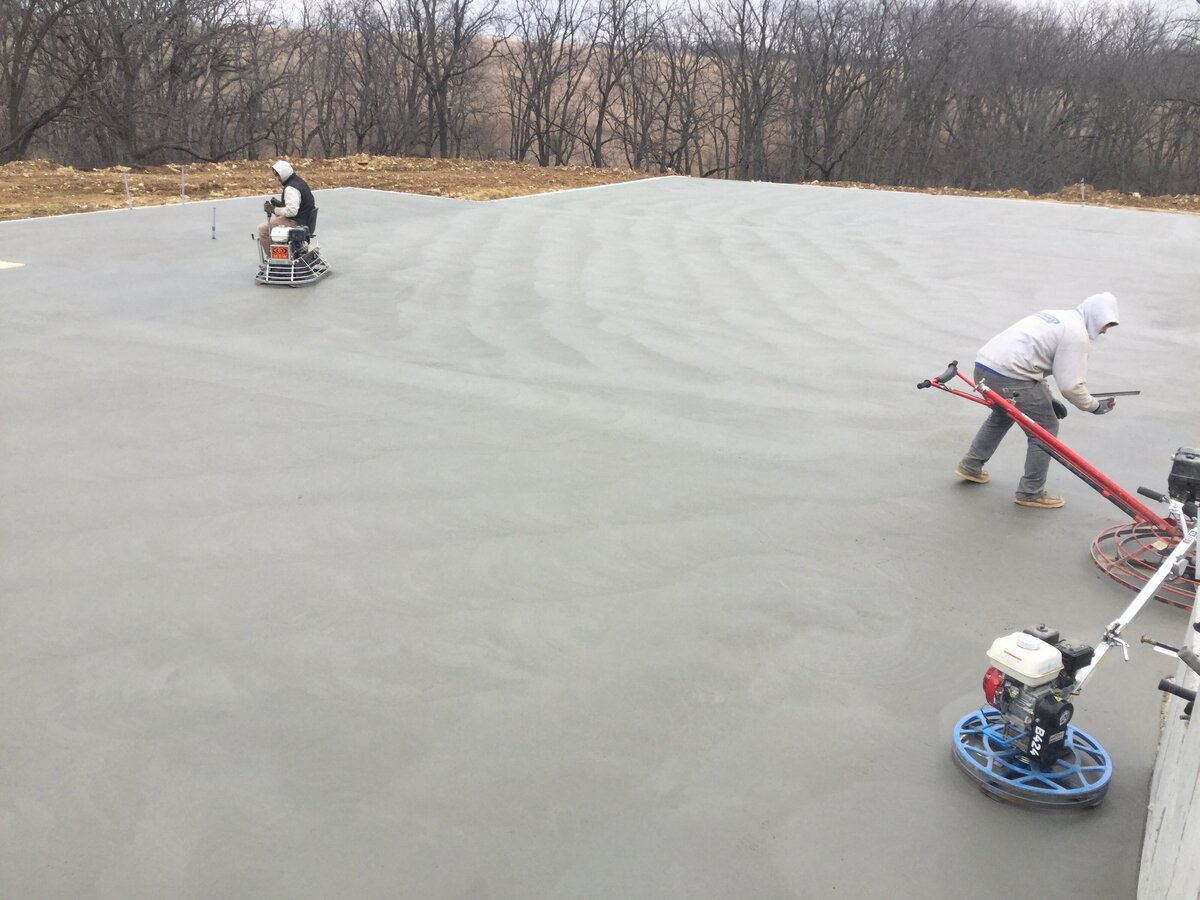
(1053, 342)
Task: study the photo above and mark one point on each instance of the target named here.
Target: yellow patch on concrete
(10, 265)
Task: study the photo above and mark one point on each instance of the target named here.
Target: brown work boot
(1041, 501)
(980, 477)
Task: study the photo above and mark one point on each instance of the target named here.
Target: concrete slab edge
(1170, 865)
(125, 209)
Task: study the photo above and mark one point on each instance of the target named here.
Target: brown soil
(1189, 203)
(43, 188)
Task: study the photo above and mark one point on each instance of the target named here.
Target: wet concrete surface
(594, 544)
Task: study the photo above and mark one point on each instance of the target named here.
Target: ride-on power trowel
(1021, 746)
(293, 257)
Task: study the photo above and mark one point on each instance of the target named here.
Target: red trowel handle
(1057, 449)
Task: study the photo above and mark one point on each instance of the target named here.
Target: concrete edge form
(1170, 868)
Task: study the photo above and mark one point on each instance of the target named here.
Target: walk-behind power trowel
(1021, 745)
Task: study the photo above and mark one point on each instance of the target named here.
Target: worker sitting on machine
(287, 244)
(294, 207)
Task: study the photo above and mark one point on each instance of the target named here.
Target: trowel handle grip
(1190, 659)
(1153, 495)
(1169, 687)
(951, 371)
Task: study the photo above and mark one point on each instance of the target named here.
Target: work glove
(276, 202)
(1106, 405)
(1060, 408)
(269, 205)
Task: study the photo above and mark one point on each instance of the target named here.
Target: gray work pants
(1031, 398)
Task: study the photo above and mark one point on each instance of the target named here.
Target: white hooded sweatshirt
(1053, 342)
(290, 196)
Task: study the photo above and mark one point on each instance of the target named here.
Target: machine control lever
(1169, 687)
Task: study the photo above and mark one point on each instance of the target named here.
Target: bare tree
(907, 141)
(444, 40)
(547, 58)
(748, 42)
(624, 29)
(326, 39)
(847, 60)
(976, 93)
(159, 65)
(662, 113)
(1129, 133)
(262, 104)
(41, 75)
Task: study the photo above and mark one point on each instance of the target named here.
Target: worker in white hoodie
(293, 207)
(1015, 363)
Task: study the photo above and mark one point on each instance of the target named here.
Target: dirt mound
(41, 187)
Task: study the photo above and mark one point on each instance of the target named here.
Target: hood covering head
(283, 170)
(1098, 310)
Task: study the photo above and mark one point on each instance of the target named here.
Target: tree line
(980, 94)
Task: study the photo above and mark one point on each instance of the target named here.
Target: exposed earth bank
(42, 188)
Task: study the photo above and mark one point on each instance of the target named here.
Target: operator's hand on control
(1106, 405)
(269, 205)
(1060, 409)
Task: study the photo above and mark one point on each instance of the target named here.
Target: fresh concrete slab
(585, 545)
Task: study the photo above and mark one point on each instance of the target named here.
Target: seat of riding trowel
(299, 234)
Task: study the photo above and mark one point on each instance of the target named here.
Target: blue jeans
(1031, 398)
